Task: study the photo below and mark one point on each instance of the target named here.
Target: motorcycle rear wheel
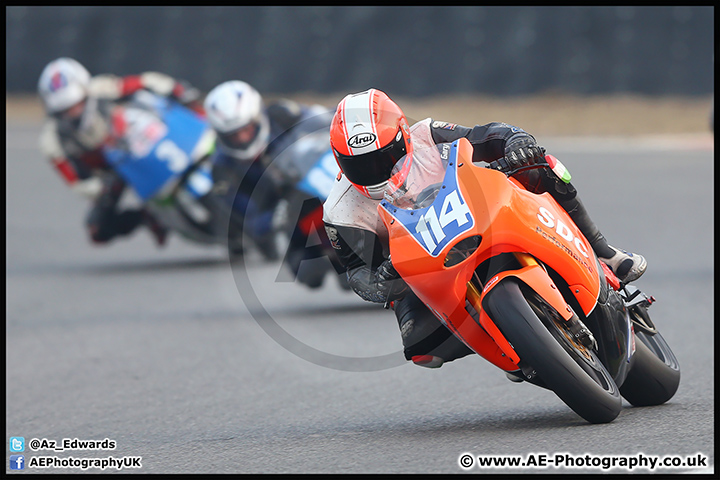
(655, 375)
(536, 332)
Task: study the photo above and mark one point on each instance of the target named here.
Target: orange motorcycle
(509, 273)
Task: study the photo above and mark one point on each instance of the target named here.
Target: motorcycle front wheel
(539, 336)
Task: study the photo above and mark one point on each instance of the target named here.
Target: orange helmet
(368, 135)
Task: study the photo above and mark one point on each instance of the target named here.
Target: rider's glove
(386, 271)
(187, 95)
(521, 150)
(382, 285)
(389, 282)
(90, 187)
(184, 92)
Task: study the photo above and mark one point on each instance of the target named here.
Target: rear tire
(655, 375)
(536, 332)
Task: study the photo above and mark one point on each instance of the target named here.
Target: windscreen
(424, 179)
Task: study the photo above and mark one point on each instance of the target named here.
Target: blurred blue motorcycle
(162, 149)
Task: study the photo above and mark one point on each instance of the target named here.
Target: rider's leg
(426, 341)
(627, 266)
(104, 222)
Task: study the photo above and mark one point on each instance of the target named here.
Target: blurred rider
(368, 135)
(252, 135)
(76, 127)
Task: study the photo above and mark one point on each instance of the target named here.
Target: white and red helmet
(63, 83)
(237, 113)
(369, 134)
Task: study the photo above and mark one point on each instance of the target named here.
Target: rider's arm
(114, 87)
(78, 177)
(369, 273)
(488, 140)
(496, 141)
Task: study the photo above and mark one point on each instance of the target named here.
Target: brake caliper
(581, 333)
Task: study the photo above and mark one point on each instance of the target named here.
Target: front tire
(536, 332)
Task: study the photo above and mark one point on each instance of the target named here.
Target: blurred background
(415, 51)
(552, 70)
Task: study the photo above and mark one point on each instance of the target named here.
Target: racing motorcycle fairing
(442, 233)
(153, 146)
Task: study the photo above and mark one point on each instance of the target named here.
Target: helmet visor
(241, 138)
(375, 167)
(73, 112)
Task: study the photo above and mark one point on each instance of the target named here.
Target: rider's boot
(158, 231)
(267, 246)
(426, 341)
(625, 265)
(427, 361)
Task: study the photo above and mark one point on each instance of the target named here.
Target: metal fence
(413, 51)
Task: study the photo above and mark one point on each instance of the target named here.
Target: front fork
(611, 324)
(534, 275)
(573, 324)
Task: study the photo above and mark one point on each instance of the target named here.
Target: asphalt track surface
(172, 355)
